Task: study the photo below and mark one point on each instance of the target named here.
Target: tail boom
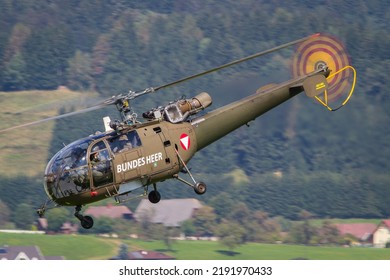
(220, 122)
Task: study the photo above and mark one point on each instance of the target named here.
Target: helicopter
(133, 155)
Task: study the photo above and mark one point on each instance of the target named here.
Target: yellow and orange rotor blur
(323, 50)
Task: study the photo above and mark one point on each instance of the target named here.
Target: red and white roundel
(185, 141)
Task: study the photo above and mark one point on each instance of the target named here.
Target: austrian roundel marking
(185, 141)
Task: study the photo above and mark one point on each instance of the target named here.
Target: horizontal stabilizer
(315, 85)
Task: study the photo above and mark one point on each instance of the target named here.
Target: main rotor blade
(235, 62)
(132, 95)
(56, 117)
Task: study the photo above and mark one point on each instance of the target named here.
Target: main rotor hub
(128, 116)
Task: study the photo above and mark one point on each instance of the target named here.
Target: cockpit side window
(101, 166)
(124, 142)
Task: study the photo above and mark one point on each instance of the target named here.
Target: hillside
(296, 157)
(25, 151)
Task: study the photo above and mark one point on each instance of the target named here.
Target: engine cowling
(180, 110)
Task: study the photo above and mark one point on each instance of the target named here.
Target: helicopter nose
(66, 174)
(66, 184)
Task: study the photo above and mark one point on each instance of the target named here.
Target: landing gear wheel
(154, 197)
(86, 222)
(41, 212)
(200, 188)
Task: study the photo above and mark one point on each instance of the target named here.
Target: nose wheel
(41, 210)
(86, 221)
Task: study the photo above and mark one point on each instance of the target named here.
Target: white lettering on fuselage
(129, 165)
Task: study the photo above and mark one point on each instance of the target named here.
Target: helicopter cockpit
(86, 164)
(67, 171)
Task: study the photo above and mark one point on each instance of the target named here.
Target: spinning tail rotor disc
(320, 51)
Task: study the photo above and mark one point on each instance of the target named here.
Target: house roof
(109, 211)
(20, 253)
(386, 223)
(361, 231)
(69, 227)
(148, 255)
(170, 212)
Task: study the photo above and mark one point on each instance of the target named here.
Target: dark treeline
(297, 157)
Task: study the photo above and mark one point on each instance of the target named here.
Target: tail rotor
(326, 51)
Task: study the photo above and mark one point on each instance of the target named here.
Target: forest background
(298, 157)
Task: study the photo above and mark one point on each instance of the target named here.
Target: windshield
(72, 156)
(67, 172)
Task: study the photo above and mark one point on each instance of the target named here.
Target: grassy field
(208, 250)
(319, 222)
(72, 247)
(84, 247)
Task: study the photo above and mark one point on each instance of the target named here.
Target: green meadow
(88, 247)
(72, 247)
